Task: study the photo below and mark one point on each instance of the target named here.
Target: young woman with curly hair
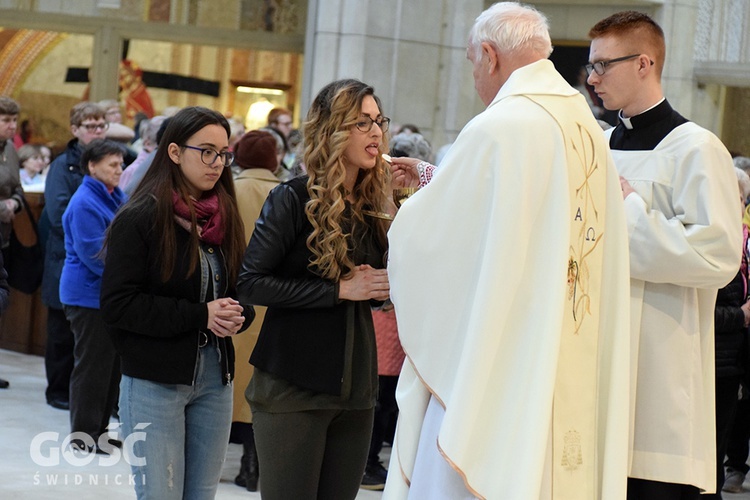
(316, 260)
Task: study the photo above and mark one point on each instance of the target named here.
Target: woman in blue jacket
(96, 370)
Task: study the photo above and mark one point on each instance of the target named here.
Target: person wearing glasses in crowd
(65, 174)
(685, 238)
(173, 253)
(117, 131)
(280, 121)
(315, 260)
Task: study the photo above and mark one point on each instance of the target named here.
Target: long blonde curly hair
(329, 123)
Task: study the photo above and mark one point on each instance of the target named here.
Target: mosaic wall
(278, 16)
(35, 64)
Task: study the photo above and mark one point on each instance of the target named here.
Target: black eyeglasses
(365, 123)
(208, 156)
(93, 127)
(601, 66)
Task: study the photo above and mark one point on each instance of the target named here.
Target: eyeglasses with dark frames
(93, 127)
(365, 123)
(208, 155)
(600, 67)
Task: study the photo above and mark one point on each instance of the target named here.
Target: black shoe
(248, 476)
(241, 479)
(4, 384)
(60, 404)
(374, 478)
(107, 450)
(78, 446)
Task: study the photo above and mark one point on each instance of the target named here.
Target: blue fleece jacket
(85, 222)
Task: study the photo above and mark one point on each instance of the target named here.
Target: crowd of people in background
(165, 240)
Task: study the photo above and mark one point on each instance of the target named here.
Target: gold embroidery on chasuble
(574, 468)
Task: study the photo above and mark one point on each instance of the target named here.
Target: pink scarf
(210, 227)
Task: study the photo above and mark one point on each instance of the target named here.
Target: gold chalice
(400, 195)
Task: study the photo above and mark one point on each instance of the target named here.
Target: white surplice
(685, 234)
(478, 265)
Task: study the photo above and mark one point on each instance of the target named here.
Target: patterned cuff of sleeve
(425, 170)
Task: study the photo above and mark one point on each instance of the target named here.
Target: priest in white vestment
(685, 238)
(509, 274)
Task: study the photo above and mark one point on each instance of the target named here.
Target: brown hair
(332, 115)
(85, 110)
(28, 151)
(639, 29)
(164, 177)
(8, 106)
(275, 113)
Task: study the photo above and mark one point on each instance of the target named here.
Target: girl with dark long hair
(173, 255)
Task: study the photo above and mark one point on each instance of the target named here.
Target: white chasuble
(509, 272)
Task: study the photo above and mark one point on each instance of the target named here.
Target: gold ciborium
(400, 195)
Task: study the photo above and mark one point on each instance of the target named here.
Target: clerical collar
(657, 112)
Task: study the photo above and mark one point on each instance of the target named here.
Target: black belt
(206, 338)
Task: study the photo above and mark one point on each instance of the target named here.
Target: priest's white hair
(511, 26)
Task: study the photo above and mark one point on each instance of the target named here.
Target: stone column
(412, 51)
(104, 76)
(678, 19)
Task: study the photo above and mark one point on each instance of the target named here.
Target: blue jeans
(185, 442)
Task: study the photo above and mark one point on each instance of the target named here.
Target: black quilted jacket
(731, 334)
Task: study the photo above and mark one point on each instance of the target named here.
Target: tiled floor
(24, 416)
